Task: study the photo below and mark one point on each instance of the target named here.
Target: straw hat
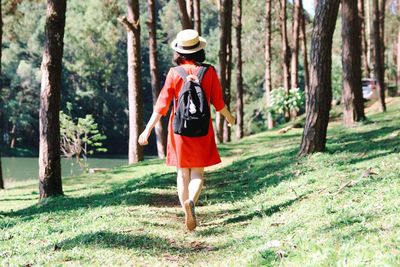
(188, 42)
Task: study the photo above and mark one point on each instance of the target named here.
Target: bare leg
(182, 182)
(196, 183)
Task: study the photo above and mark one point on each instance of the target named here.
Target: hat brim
(202, 45)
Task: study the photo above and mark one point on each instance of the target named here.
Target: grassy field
(261, 206)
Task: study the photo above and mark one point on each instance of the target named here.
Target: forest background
(94, 74)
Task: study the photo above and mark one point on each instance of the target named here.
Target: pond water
(22, 169)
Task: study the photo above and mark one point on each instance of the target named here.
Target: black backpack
(192, 112)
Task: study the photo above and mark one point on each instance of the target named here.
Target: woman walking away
(191, 144)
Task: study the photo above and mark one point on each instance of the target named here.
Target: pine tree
(50, 183)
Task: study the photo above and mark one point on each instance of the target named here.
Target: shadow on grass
(369, 144)
(152, 244)
(243, 178)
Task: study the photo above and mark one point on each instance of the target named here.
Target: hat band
(188, 47)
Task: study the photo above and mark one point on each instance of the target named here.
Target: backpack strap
(181, 72)
(200, 73)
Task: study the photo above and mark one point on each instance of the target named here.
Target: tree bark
(285, 53)
(160, 130)
(227, 129)
(239, 78)
(189, 9)
(398, 53)
(1, 176)
(267, 57)
(225, 15)
(294, 81)
(1, 88)
(197, 16)
(398, 63)
(183, 15)
(351, 64)
(50, 183)
(364, 43)
(320, 91)
(134, 83)
(303, 38)
(379, 59)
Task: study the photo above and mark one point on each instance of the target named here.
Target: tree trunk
(351, 63)
(320, 91)
(134, 83)
(364, 44)
(285, 53)
(398, 53)
(50, 183)
(189, 9)
(225, 11)
(294, 82)
(239, 78)
(379, 59)
(183, 15)
(267, 56)
(227, 129)
(398, 62)
(1, 88)
(1, 176)
(303, 38)
(370, 38)
(155, 82)
(197, 16)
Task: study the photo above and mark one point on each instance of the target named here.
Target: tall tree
(183, 15)
(1, 42)
(50, 183)
(225, 21)
(351, 63)
(398, 62)
(267, 57)
(239, 78)
(320, 91)
(285, 50)
(295, 47)
(294, 81)
(364, 42)
(227, 92)
(189, 9)
(398, 52)
(155, 81)
(197, 16)
(134, 82)
(379, 68)
(303, 38)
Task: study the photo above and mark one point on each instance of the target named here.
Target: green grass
(261, 206)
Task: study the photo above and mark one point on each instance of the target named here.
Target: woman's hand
(231, 120)
(228, 116)
(143, 137)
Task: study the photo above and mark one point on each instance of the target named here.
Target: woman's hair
(198, 57)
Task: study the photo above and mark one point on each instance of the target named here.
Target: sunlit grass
(262, 206)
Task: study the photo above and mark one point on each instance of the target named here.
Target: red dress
(183, 151)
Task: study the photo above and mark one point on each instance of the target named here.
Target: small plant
(282, 102)
(80, 138)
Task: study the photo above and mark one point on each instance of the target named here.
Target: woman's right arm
(144, 136)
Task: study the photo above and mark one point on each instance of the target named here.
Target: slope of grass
(262, 206)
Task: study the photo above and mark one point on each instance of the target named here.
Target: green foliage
(80, 138)
(282, 102)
